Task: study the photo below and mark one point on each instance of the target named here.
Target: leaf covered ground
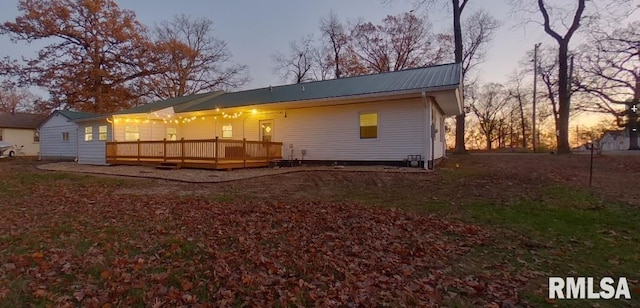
(487, 233)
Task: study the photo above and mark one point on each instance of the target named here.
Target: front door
(266, 130)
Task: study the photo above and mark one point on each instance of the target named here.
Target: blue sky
(254, 30)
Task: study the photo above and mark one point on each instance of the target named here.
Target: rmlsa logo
(584, 288)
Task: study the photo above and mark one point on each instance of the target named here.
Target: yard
(481, 230)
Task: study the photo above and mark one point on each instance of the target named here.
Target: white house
(21, 130)
(615, 140)
(59, 134)
(388, 118)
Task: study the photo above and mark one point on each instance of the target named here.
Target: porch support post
(215, 152)
(182, 149)
(268, 160)
(244, 152)
(138, 150)
(164, 149)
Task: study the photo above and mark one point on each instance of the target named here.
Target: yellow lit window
(172, 133)
(227, 131)
(368, 125)
(102, 133)
(88, 133)
(131, 133)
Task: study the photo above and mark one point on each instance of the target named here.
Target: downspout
(77, 142)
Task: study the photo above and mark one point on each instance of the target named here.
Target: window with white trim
(102, 133)
(368, 125)
(227, 131)
(131, 133)
(88, 133)
(36, 136)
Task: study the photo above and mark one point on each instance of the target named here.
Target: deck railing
(206, 153)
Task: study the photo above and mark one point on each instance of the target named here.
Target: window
(227, 131)
(368, 125)
(88, 133)
(131, 133)
(102, 133)
(172, 133)
(65, 136)
(0, 135)
(36, 136)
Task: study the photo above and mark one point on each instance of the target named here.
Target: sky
(254, 30)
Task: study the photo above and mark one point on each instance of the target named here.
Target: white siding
(93, 152)
(333, 132)
(51, 143)
(153, 130)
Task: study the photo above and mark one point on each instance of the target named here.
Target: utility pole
(535, 81)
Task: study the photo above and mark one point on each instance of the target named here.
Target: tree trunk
(489, 143)
(564, 99)
(457, 34)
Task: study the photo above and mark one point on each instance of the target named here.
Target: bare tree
(488, 104)
(398, 43)
(564, 98)
(457, 8)
(609, 73)
(298, 63)
(335, 33)
(14, 99)
(193, 60)
(518, 93)
(478, 30)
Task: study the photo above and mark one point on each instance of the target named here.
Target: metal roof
(178, 103)
(20, 120)
(439, 77)
(75, 115)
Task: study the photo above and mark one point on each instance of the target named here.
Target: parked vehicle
(8, 149)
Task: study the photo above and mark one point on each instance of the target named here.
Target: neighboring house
(385, 118)
(59, 134)
(21, 130)
(615, 140)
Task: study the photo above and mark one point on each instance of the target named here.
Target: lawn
(481, 230)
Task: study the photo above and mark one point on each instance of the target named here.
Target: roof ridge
(349, 77)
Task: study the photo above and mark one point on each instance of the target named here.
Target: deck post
(244, 152)
(138, 150)
(182, 150)
(164, 149)
(215, 152)
(268, 143)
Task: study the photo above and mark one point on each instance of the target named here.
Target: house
(615, 140)
(21, 130)
(394, 118)
(59, 134)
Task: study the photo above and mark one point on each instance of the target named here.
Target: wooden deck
(204, 153)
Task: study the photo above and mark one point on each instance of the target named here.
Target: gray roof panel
(425, 78)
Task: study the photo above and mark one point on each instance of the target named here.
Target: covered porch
(201, 153)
